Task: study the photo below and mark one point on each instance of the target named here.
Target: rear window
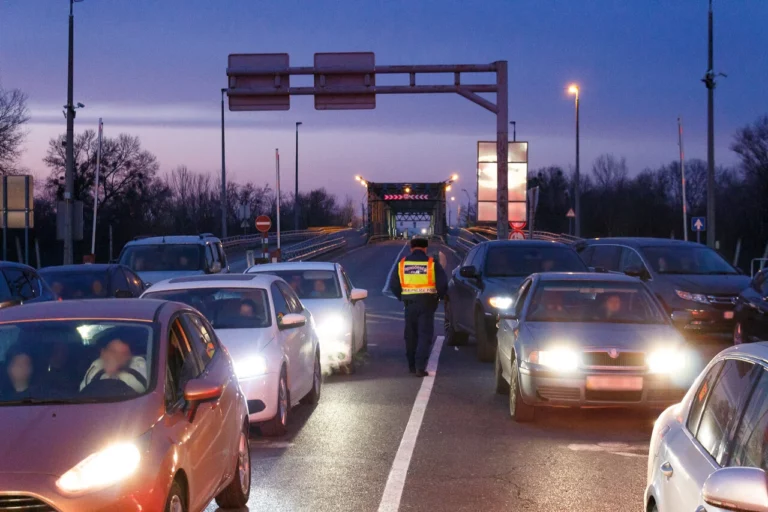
(311, 284)
(77, 285)
(511, 261)
(163, 257)
(225, 308)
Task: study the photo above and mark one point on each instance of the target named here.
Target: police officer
(420, 283)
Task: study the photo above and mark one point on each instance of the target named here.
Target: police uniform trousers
(419, 328)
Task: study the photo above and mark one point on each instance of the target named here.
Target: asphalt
(469, 455)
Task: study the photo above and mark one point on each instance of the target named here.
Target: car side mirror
(358, 294)
(123, 294)
(10, 303)
(469, 271)
(681, 318)
(291, 321)
(738, 489)
(215, 268)
(200, 390)
(639, 272)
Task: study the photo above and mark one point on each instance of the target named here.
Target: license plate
(614, 383)
(728, 315)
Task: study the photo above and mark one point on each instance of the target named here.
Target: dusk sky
(154, 69)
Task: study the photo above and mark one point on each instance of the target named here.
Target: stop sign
(263, 223)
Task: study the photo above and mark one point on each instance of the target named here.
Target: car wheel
(738, 334)
(518, 409)
(277, 426)
(453, 337)
(317, 382)
(235, 495)
(502, 386)
(486, 349)
(177, 499)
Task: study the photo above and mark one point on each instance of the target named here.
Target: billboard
(517, 163)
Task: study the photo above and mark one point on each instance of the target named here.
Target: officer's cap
(419, 243)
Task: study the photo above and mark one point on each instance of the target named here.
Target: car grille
(613, 396)
(19, 503)
(558, 393)
(722, 301)
(623, 359)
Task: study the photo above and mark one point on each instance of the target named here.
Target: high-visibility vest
(417, 277)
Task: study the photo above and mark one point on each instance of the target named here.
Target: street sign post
(266, 92)
(698, 224)
(263, 223)
(365, 61)
(17, 203)
(570, 215)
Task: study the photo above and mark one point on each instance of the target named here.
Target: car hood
(69, 433)
(156, 277)
(602, 335)
(708, 285)
(323, 309)
(245, 342)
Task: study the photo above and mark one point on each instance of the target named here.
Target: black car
(685, 276)
(21, 284)
(486, 282)
(751, 312)
(93, 281)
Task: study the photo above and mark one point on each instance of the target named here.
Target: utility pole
(514, 130)
(223, 173)
(682, 174)
(709, 82)
(69, 178)
(296, 189)
(575, 90)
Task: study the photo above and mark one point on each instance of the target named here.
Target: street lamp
(574, 90)
(223, 171)
(407, 190)
(296, 190)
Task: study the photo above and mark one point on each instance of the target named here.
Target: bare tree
(13, 115)
(610, 172)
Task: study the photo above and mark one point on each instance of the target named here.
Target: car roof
(753, 350)
(174, 239)
(93, 267)
(292, 265)
(216, 281)
(587, 276)
(524, 243)
(12, 264)
(641, 242)
(113, 309)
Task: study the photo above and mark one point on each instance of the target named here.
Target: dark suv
(685, 276)
(486, 283)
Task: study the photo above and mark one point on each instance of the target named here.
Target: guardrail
(469, 237)
(310, 251)
(287, 236)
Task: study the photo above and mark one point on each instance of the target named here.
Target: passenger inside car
(117, 362)
(319, 289)
(19, 369)
(612, 306)
(247, 308)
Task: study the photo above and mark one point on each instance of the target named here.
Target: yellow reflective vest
(417, 277)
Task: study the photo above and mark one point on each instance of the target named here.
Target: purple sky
(154, 69)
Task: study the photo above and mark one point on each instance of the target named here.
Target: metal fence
(317, 248)
(285, 236)
(468, 238)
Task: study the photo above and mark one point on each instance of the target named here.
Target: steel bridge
(389, 203)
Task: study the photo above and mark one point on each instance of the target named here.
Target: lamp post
(223, 172)
(574, 89)
(514, 130)
(296, 189)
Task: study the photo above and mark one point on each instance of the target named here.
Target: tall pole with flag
(682, 174)
(709, 81)
(277, 171)
(96, 189)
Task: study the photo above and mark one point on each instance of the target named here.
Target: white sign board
(271, 83)
(354, 60)
(517, 176)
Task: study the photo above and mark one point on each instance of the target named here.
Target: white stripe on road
(393, 492)
(385, 290)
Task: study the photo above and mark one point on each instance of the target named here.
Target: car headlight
(101, 469)
(500, 302)
(669, 361)
(694, 297)
(330, 327)
(251, 366)
(560, 359)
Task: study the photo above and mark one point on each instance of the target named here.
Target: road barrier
(315, 249)
(285, 236)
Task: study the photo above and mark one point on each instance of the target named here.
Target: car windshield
(225, 308)
(163, 257)
(311, 284)
(687, 259)
(77, 285)
(511, 261)
(593, 301)
(74, 361)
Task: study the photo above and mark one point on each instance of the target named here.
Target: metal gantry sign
(344, 81)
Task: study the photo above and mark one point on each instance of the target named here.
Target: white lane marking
(393, 492)
(385, 290)
(622, 449)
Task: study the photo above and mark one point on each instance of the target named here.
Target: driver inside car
(117, 361)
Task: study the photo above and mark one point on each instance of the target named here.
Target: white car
(337, 307)
(268, 333)
(710, 452)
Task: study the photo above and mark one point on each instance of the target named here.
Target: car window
(477, 260)
(183, 365)
(19, 284)
(281, 305)
(630, 260)
(606, 257)
(5, 291)
(687, 259)
(134, 282)
(209, 257)
(522, 261)
(34, 281)
(310, 284)
(722, 408)
(346, 284)
(294, 304)
(163, 257)
(586, 254)
(750, 446)
(203, 342)
(222, 255)
(694, 416)
(224, 308)
(470, 256)
(119, 282)
(83, 283)
(521, 296)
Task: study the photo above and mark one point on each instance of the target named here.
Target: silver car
(586, 339)
(710, 452)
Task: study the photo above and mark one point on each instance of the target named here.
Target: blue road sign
(698, 223)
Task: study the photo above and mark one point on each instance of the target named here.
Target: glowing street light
(358, 178)
(574, 90)
(407, 190)
(447, 188)
(454, 177)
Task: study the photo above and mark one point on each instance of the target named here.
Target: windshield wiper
(49, 401)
